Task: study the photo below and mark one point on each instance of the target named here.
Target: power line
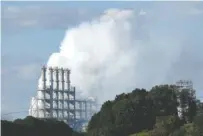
(15, 112)
(36, 109)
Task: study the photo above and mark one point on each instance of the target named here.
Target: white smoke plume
(106, 58)
(99, 52)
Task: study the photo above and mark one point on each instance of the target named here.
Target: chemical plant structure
(185, 85)
(56, 99)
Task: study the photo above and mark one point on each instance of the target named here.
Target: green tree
(198, 121)
(187, 130)
(199, 107)
(127, 114)
(165, 125)
(165, 100)
(187, 104)
(154, 111)
(35, 127)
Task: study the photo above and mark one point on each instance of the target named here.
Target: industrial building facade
(56, 99)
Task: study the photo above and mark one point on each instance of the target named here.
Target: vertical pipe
(57, 89)
(67, 78)
(62, 86)
(68, 104)
(57, 78)
(74, 103)
(51, 91)
(62, 78)
(80, 110)
(44, 77)
(51, 77)
(43, 89)
(68, 87)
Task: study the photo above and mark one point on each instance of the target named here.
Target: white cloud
(53, 17)
(19, 17)
(111, 54)
(169, 45)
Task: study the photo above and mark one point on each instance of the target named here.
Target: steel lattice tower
(184, 85)
(56, 99)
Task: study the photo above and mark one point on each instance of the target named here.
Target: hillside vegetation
(139, 113)
(31, 126)
(149, 113)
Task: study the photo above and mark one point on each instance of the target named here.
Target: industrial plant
(185, 85)
(56, 99)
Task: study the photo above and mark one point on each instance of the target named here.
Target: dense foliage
(149, 113)
(139, 113)
(35, 127)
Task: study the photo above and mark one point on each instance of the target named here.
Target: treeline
(150, 113)
(139, 113)
(31, 126)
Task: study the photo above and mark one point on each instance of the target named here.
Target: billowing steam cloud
(106, 56)
(98, 53)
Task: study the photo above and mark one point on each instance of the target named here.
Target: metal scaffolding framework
(184, 85)
(56, 99)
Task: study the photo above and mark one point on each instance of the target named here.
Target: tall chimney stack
(44, 77)
(67, 79)
(57, 77)
(51, 76)
(62, 78)
(51, 91)
(62, 88)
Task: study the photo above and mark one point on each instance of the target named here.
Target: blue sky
(31, 31)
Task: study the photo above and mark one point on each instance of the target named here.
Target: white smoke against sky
(106, 58)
